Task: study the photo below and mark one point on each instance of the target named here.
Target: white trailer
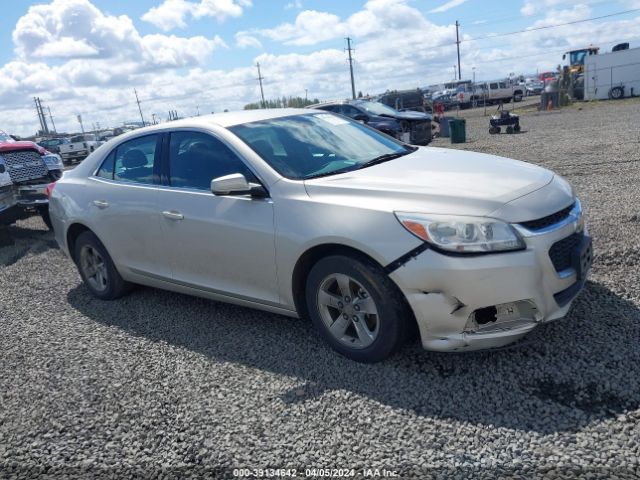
(612, 75)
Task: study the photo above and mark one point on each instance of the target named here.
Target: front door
(221, 244)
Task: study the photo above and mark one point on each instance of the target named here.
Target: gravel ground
(164, 385)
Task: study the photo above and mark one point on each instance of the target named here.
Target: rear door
(124, 209)
(220, 244)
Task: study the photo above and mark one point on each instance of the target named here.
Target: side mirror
(236, 184)
(361, 117)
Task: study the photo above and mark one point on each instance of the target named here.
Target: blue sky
(86, 56)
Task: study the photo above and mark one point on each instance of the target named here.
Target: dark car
(410, 127)
(53, 144)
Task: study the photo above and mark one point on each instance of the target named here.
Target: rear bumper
(74, 155)
(450, 295)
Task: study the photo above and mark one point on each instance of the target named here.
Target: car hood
(410, 115)
(6, 147)
(442, 181)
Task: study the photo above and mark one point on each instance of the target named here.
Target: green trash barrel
(457, 126)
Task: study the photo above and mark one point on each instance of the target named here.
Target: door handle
(101, 203)
(173, 215)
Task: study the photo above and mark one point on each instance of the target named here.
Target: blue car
(408, 126)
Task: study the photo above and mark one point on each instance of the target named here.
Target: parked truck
(79, 147)
(612, 75)
(26, 170)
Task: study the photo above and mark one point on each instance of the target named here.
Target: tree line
(284, 102)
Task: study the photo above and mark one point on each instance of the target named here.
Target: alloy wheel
(348, 311)
(94, 268)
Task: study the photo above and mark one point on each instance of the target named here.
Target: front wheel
(97, 269)
(356, 308)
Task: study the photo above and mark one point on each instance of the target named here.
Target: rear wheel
(517, 97)
(356, 308)
(97, 269)
(616, 93)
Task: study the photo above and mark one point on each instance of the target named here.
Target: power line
(544, 27)
(476, 22)
(260, 78)
(353, 85)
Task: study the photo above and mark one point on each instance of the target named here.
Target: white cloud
(244, 40)
(174, 13)
(531, 7)
(447, 6)
(296, 4)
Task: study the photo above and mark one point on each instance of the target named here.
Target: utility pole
(353, 85)
(306, 95)
(80, 122)
(260, 78)
(139, 107)
(458, 47)
(51, 117)
(41, 116)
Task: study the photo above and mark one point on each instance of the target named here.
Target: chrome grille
(24, 165)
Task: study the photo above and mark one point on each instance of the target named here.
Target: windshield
(377, 108)
(305, 146)
(577, 58)
(4, 137)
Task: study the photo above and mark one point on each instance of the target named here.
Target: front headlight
(462, 234)
(53, 161)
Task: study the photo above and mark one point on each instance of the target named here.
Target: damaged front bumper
(487, 301)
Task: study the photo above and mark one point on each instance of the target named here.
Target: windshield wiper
(332, 172)
(386, 157)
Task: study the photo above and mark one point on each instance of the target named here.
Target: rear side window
(106, 169)
(493, 86)
(134, 160)
(196, 158)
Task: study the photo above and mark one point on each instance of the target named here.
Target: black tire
(116, 287)
(616, 93)
(516, 128)
(392, 317)
(494, 130)
(46, 218)
(517, 97)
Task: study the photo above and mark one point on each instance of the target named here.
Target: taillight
(49, 189)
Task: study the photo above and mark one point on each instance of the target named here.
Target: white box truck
(612, 75)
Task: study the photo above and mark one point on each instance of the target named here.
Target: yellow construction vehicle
(576, 58)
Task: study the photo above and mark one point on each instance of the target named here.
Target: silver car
(310, 214)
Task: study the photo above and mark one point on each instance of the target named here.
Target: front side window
(314, 145)
(134, 160)
(196, 158)
(503, 85)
